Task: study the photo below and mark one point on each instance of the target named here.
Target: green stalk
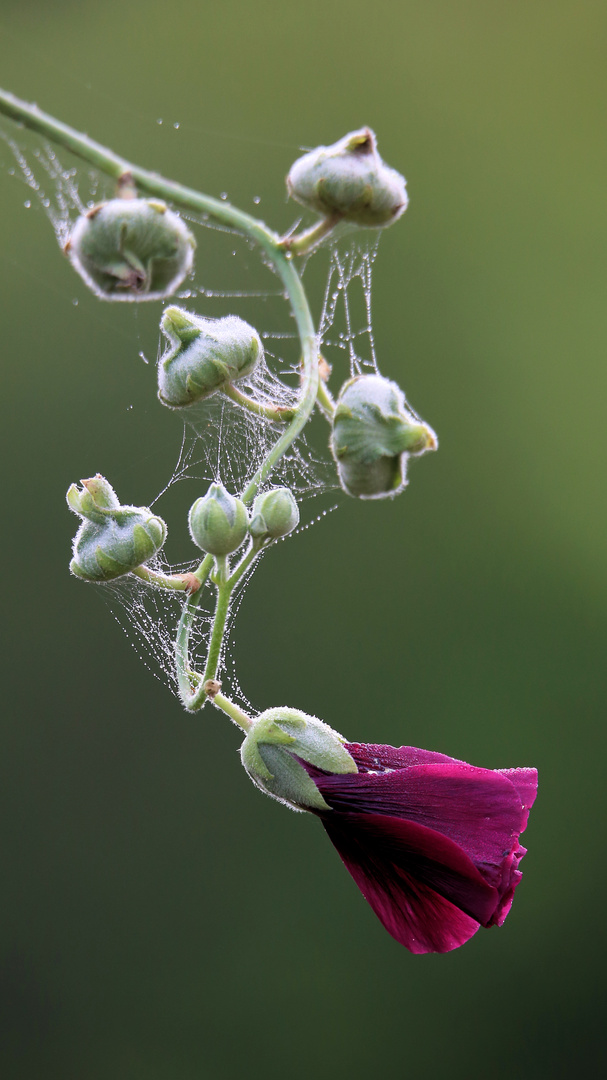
(237, 715)
(174, 582)
(304, 242)
(224, 593)
(326, 401)
(194, 698)
(119, 168)
(280, 414)
(182, 641)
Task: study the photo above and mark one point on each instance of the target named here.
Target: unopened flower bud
(218, 521)
(350, 180)
(131, 249)
(204, 355)
(112, 539)
(275, 742)
(274, 514)
(374, 434)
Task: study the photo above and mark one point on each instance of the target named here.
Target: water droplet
(27, 204)
(176, 125)
(128, 408)
(257, 199)
(75, 303)
(11, 172)
(159, 121)
(144, 358)
(46, 203)
(224, 195)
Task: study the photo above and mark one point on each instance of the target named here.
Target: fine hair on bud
(349, 180)
(112, 540)
(374, 433)
(274, 514)
(203, 355)
(131, 249)
(218, 521)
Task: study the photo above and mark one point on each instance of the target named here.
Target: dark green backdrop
(160, 918)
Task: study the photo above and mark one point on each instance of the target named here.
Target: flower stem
(224, 592)
(237, 715)
(113, 165)
(244, 565)
(182, 641)
(305, 242)
(175, 582)
(278, 413)
(326, 401)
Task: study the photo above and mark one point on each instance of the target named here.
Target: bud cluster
(219, 522)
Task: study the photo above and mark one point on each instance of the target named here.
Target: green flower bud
(350, 180)
(204, 355)
(218, 521)
(374, 434)
(112, 539)
(277, 739)
(131, 249)
(274, 514)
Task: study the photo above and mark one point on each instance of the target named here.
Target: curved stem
(278, 413)
(326, 401)
(310, 379)
(174, 582)
(304, 242)
(182, 641)
(244, 565)
(237, 715)
(118, 167)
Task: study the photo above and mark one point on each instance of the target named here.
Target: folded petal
(480, 810)
(423, 888)
(525, 782)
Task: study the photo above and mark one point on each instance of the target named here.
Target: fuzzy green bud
(374, 434)
(131, 249)
(349, 180)
(274, 514)
(218, 522)
(277, 739)
(112, 539)
(204, 355)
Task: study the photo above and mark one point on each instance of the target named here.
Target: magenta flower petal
(433, 843)
(400, 873)
(377, 757)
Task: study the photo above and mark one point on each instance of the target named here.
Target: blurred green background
(160, 918)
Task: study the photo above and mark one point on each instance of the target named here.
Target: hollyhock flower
(432, 843)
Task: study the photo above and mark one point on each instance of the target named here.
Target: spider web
(221, 441)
